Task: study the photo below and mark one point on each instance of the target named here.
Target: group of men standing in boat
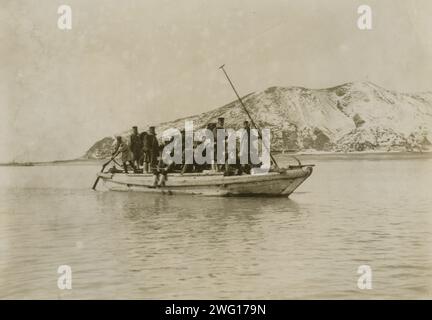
(143, 149)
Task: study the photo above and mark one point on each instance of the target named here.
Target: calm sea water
(371, 210)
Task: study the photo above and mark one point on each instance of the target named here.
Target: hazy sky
(146, 61)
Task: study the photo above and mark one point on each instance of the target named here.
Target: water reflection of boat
(279, 183)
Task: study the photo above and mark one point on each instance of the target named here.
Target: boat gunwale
(223, 180)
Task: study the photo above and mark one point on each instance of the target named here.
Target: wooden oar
(117, 163)
(103, 168)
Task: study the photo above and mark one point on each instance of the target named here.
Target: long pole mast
(248, 114)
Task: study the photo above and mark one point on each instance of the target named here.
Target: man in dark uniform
(220, 127)
(136, 146)
(151, 149)
(143, 154)
(246, 146)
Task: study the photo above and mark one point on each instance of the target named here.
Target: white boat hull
(212, 184)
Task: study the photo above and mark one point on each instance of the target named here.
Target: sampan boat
(274, 183)
(280, 182)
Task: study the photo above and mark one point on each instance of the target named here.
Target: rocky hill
(358, 116)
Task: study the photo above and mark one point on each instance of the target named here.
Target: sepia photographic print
(216, 150)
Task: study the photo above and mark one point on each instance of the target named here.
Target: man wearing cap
(247, 144)
(221, 129)
(136, 146)
(151, 149)
(143, 153)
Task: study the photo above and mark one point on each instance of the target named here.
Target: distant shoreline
(54, 162)
(301, 154)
